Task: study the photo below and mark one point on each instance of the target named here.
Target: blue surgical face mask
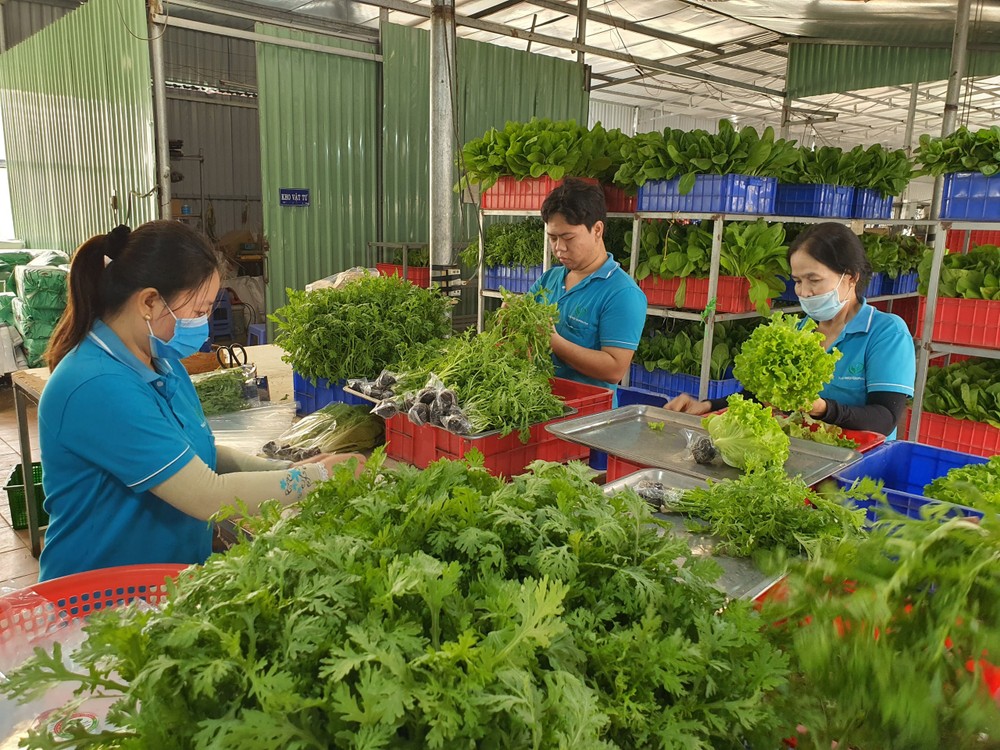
(826, 306)
(189, 335)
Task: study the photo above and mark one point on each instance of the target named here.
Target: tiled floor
(17, 567)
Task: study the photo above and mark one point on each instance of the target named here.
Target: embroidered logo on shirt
(856, 369)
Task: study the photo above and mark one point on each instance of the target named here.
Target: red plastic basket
(504, 456)
(619, 467)
(38, 608)
(955, 241)
(964, 435)
(510, 194)
(905, 308)
(618, 201)
(970, 322)
(416, 275)
(733, 294)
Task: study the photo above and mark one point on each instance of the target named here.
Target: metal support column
(786, 116)
(442, 130)
(911, 115)
(708, 316)
(581, 28)
(156, 31)
(955, 76)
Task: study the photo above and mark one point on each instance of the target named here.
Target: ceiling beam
(552, 41)
(623, 25)
(251, 12)
(495, 9)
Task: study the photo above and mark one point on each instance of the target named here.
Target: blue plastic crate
(517, 279)
(629, 396)
(789, 294)
(670, 384)
(903, 284)
(906, 468)
(869, 204)
(311, 397)
(832, 201)
(876, 286)
(712, 193)
(970, 195)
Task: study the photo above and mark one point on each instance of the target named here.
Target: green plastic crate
(15, 497)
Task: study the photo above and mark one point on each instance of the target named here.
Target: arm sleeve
(723, 403)
(622, 319)
(229, 460)
(881, 413)
(890, 359)
(199, 492)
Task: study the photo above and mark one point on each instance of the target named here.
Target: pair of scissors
(231, 355)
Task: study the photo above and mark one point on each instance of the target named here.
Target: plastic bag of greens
(248, 429)
(222, 391)
(336, 428)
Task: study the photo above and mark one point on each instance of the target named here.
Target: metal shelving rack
(200, 216)
(927, 348)
(710, 317)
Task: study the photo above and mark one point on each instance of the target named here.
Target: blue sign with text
(294, 196)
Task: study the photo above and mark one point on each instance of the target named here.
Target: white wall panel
(612, 115)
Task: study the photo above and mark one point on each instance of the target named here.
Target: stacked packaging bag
(41, 287)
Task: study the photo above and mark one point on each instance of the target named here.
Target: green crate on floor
(15, 497)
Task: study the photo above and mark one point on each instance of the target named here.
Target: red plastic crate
(510, 194)
(733, 294)
(417, 275)
(504, 456)
(620, 467)
(618, 200)
(969, 322)
(963, 435)
(955, 240)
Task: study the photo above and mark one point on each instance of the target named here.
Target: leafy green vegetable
(784, 364)
(883, 630)
(893, 255)
(686, 154)
(221, 391)
(442, 608)
(541, 147)
(501, 376)
(755, 250)
(678, 348)
(878, 168)
(359, 330)
(962, 151)
(657, 426)
(972, 275)
(336, 428)
(975, 485)
(965, 390)
(521, 243)
(826, 165)
(766, 509)
(416, 257)
(747, 435)
(804, 427)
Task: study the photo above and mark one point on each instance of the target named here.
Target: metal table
(28, 386)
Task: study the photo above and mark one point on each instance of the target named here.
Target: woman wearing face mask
(131, 470)
(875, 375)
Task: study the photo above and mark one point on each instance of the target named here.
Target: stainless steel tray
(625, 432)
(740, 578)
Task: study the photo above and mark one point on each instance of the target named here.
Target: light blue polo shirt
(878, 355)
(607, 308)
(111, 429)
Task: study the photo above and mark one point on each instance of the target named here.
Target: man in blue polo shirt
(601, 309)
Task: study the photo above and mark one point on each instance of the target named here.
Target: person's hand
(688, 404)
(818, 408)
(330, 461)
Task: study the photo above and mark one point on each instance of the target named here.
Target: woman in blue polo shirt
(875, 375)
(131, 470)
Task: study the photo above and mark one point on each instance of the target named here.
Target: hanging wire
(970, 58)
(121, 14)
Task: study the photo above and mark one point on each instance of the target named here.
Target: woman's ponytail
(83, 305)
(108, 269)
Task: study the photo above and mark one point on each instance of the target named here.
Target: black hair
(838, 248)
(578, 202)
(165, 255)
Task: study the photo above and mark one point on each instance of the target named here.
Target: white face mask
(826, 306)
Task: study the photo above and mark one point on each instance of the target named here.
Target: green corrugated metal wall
(495, 84)
(815, 69)
(317, 131)
(78, 121)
